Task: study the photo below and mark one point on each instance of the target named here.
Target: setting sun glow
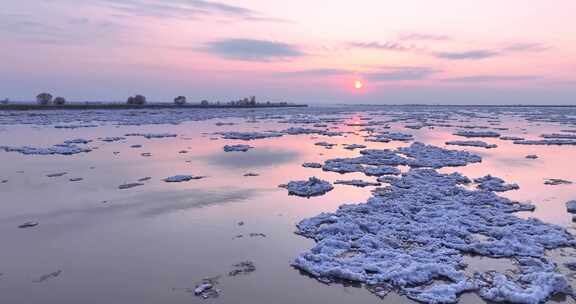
(358, 84)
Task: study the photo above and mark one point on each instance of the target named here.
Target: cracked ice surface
(436, 157)
(416, 233)
(420, 155)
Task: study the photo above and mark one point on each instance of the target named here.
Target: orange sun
(358, 84)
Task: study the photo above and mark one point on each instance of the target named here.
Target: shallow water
(149, 244)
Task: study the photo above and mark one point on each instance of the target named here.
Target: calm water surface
(149, 244)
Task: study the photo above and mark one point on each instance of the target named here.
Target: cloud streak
(423, 37)
(315, 72)
(526, 47)
(388, 45)
(492, 78)
(185, 9)
(252, 50)
(401, 74)
(467, 55)
(473, 54)
(490, 53)
(66, 30)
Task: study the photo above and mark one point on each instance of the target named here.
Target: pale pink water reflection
(147, 243)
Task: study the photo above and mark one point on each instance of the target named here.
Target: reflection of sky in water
(148, 204)
(255, 158)
(145, 241)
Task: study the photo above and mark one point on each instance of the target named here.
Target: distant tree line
(48, 99)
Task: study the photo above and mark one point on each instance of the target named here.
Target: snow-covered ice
(413, 238)
(249, 135)
(547, 142)
(496, 184)
(466, 133)
(354, 146)
(471, 143)
(571, 206)
(151, 135)
(557, 181)
(312, 165)
(237, 148)
(308, 188)
(181, 178)
(381, 170)
(61, 149)
(356, 182)
(435, 157)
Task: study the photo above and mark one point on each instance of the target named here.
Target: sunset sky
(409, 51)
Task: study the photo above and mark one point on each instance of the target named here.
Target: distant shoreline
(122, 106)
(465, 105)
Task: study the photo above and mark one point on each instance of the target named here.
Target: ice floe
(151, 135)
(48, 276)
(435, 157)
(206, 289)
(75, 126)
(496, 184)
(571, 206)
(112, 138)
(77, 141)
(354, 146)
(477, 133)
(412, 238)
(388, 137)
(356, 182)
(546, 142)
(471, 143)
(58, 174)
(418, 155)
(312, 165)
(512, 138)
(308, 188)
(63, 149)
(242, 268)
(237, 148)
(557, 181)
(559, 135)
(381, 170)
(129, 186)
(324, 144)
(298, 131)
(248, 135)
(28, 225)
(181, 178)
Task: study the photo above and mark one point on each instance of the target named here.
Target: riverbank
(123, 106)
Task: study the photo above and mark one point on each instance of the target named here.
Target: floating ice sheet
(413, 236)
